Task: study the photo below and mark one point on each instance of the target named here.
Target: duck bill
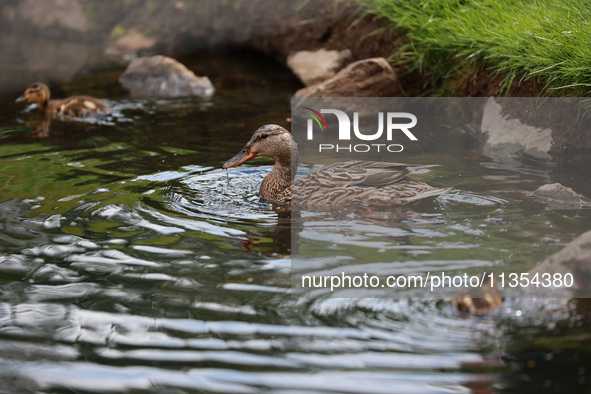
(21, 99)
(244, 155)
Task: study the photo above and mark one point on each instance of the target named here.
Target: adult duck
(343, 183)
(39, 94)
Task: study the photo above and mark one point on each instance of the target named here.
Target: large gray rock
(317, 66)
(163, 77)
(507, 136)
(372, 77)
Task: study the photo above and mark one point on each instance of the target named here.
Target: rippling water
(130, 261)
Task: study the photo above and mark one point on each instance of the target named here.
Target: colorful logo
(315, 115)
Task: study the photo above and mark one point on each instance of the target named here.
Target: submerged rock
(372, 77)
(317, 66)
(557, 196)
(163, 77)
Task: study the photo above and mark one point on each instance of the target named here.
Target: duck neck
(279, 179)
(286, 166)
(42, 105)
(292, 160)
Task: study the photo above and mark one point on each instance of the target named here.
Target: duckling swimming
(39, 94)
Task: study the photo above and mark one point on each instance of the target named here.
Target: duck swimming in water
(351, 182)
(39, 94)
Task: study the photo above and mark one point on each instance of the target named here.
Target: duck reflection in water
(39, 123)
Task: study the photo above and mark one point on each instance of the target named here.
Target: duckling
(352, 182)
(479, 300)
(39, 94)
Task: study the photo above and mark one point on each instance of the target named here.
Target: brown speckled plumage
(352, 182)
(39, 94)
(363, 182)
(479, 300)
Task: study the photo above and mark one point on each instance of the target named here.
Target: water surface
(130, 261)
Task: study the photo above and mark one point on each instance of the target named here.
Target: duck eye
(264, 136)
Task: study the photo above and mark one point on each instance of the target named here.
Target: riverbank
(515, 47)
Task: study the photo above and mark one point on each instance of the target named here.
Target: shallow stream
(130, 261)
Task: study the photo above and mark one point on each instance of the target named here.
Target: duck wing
(365, 182)
(360, 173)
(77, 106)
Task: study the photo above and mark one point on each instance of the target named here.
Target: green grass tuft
(549, 40)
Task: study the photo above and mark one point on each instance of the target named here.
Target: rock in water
(365, 78)
(508, 136)
(163, 77)
(317, 66)
(557, 196)
(574, 258)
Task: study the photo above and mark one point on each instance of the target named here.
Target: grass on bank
(549, 40)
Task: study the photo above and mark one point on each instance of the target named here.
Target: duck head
(37, 93)
(271, 141)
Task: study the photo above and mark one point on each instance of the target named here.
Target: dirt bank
(39, 34)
